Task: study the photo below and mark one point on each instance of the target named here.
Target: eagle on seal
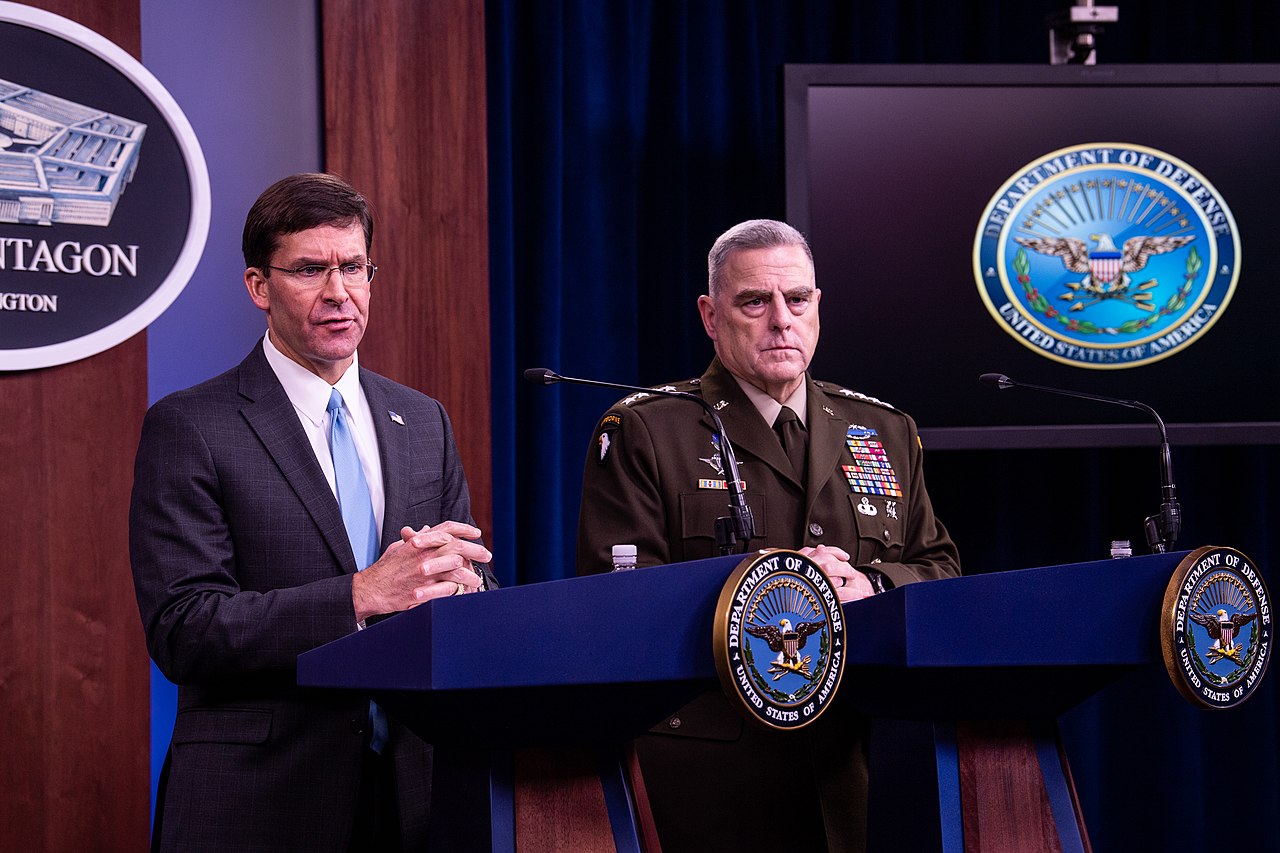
(1106, 266)
(787, 641)
(1223, 629)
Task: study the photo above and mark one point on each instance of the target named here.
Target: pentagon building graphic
(62, 162)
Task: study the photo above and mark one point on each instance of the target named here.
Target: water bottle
(624, 557)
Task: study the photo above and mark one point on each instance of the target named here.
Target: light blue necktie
(357, 517)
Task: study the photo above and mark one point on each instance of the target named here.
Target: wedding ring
(460, 590)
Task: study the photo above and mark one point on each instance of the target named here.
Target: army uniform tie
(794, 438)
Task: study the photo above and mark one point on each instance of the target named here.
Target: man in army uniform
(828, 471)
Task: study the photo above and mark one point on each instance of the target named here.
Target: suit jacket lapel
(827, 432)
(747, 429)
(274, 421)
(393, 450)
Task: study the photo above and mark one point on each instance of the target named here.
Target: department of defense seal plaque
(779, 639)
(1107, 255)
(1215, 628)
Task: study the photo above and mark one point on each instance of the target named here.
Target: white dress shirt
(310, 397)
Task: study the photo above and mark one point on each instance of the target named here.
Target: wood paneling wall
(73, 670)
(404, 122)
(404, 107)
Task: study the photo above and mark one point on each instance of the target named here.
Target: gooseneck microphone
(1162, 528)
(735, 530)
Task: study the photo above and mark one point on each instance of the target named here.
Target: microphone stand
(732, 532)
(1162, 528)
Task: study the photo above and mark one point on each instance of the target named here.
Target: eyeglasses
(354, 273)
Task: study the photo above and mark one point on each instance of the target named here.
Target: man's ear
(707, 308)
(256, 284)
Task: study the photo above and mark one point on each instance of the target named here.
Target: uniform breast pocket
(699, 511)
(880, 528)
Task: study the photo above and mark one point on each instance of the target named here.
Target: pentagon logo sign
(104, 193)
(1107, 255)
(779, 639)
(1215, 628)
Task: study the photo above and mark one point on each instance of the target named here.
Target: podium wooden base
(991, 786)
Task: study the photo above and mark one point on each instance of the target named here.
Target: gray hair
(752, 234)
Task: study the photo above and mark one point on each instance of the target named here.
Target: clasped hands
(851, 584)
(429, 563)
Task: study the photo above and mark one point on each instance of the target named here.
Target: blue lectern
(574, 668)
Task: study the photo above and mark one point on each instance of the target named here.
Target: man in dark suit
(242, 560)
(828, 471)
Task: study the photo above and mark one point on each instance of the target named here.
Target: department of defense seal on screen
(779, 639)
(1107, 255)
(1215, 629)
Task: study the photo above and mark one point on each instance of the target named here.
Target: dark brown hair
(298, 203)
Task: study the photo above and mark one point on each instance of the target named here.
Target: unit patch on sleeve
(609, 426)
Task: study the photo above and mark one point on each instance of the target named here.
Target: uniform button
(675, 722)
(815, 529)
(357, 727)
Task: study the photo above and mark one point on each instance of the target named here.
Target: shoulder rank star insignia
(639, 395)
(1222, 628)
(787, 641)
(858, 395)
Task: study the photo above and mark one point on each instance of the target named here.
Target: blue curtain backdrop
(624, 136)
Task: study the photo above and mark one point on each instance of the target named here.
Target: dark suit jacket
(653, 479)
(241, 563)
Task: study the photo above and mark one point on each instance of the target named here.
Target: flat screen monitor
(1108, 230)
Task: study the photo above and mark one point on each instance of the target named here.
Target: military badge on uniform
(714, 459)
(871, 472)
(779, 639)
(610, 424)
(717, 465)
(1215, 629)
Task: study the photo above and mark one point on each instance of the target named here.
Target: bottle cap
(1121, 548)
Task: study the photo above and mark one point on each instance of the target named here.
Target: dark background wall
(625, 136)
